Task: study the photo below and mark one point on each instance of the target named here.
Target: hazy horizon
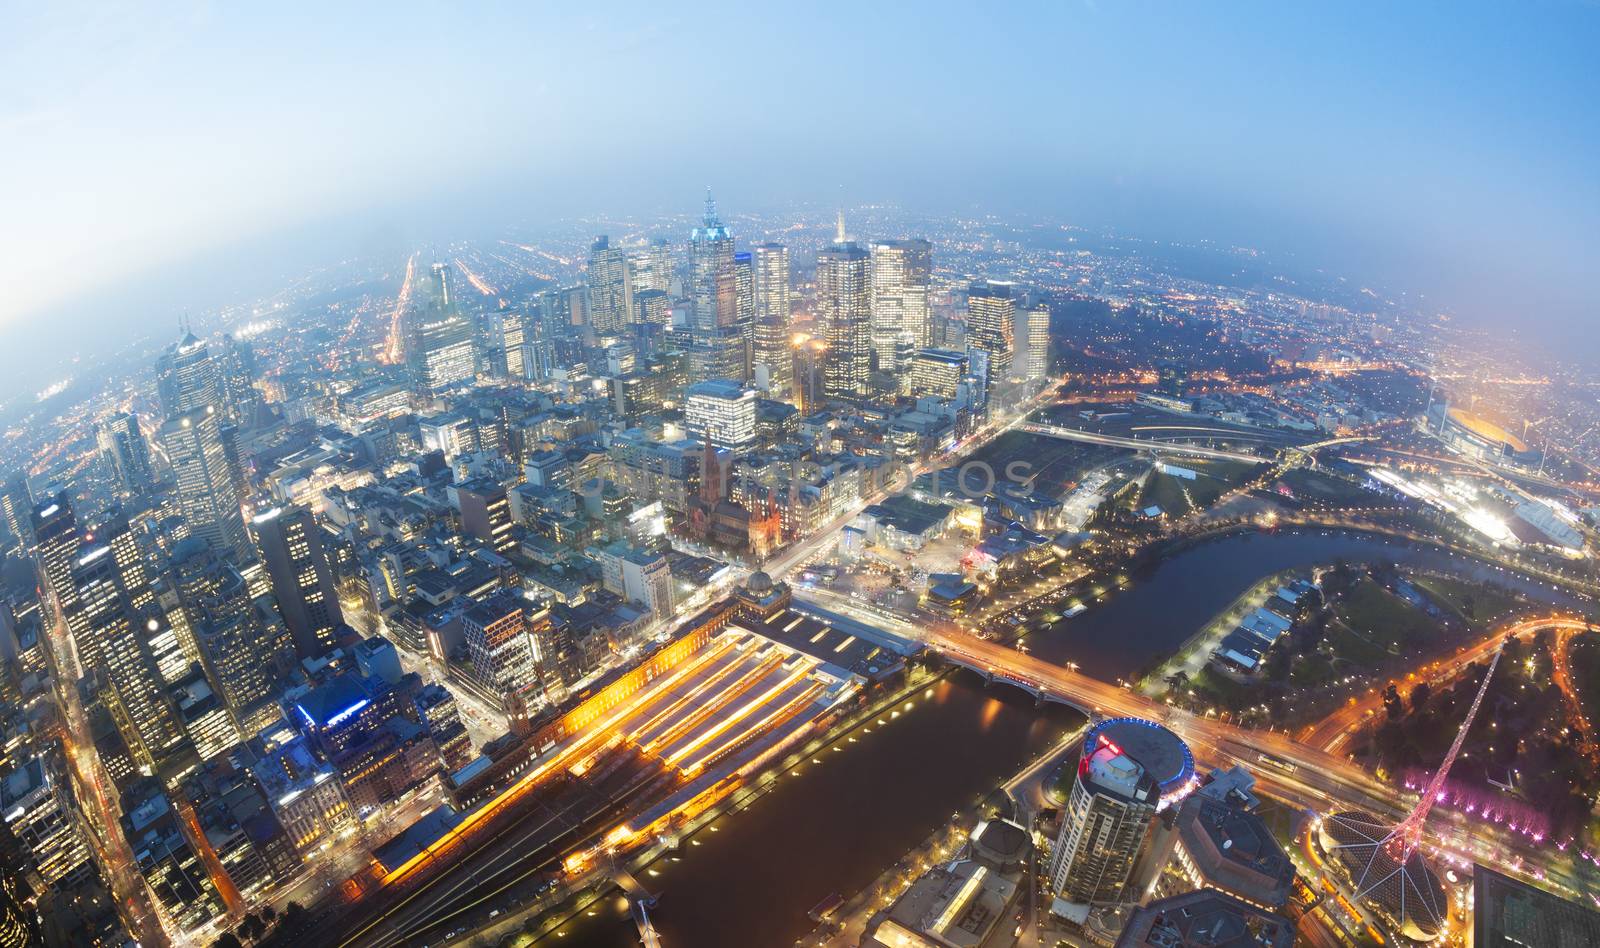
(164, 160)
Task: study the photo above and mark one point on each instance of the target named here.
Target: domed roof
(759, 583)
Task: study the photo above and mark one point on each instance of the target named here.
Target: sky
(152, 151)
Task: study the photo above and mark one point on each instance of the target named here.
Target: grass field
(1316, 487)
(1479, 604)
(1378, 625)
(1179, 495)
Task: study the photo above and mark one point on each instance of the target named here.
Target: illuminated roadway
(1306, 776)
(1139, 444)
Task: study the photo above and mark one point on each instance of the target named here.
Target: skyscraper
(1126, 766)
(121, 639)
(302, 577)
(723, 412)
(16, 505)
(992, 325)
(710, 254)
(236, 647)
(772, 355)
(651, 269)
(844, 310)
(1036, 350)
(938, 372)
(439, 337)
(902, 271)
(206, 495)
(125, 452)
(187, 378)
(771, 264)
(54, 528)
(610, 292)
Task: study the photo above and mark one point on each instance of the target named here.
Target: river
(833, 828)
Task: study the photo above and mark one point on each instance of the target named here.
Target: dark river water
(836, 826)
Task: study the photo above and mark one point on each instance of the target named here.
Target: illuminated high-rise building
(56, 540)
(772, 353)
(302, 576)
(206, 492)
(123, 448)
(486, 514)
(723, 412)
(131, 646)
(439, 337)
(992, 325)
(504, 654)
(187, 378)
(1126, 767)
(810, 369)
(610, 293)
(844, 312)
(771, 264)
(16, 506)
(238, 649)
(651, 269)
(1034, 356)
(902, 271)
(711, 254)
(938, 372)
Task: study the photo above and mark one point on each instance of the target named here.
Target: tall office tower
(237, 648)
(1126, 766)
(844, 310)
(937, 372)
(710, 254)
(723, 412)
(610, 294)
(902, 271)
(236, 366)
(187, 378)
(110, 559)
(206, 492)
(652, 308)
(538, 348)
(651, 268)
(744, 289)
(771, 263)
(717, 354)
(810, 374)
(302, 577)
(439, 336)
(38, 807)
(992, 325)
(1034, 355)
(54, 528)
(773, 356)
(125, 452)
(123, 641)
(16, 505)
(505, 345)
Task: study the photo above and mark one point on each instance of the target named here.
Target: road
(1310, 776)
(1333, 731)
(1140, 444)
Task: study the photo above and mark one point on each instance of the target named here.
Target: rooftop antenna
(838, 237)
(711, 207)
